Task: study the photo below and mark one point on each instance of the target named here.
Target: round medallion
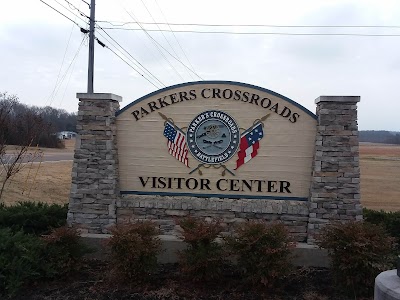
(213, 137)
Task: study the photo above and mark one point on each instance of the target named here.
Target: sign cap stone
(99, 96)
(352, 99)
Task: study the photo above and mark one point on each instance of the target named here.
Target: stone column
(94, 190)
(335, 186)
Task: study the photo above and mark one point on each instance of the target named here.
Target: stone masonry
(164, 210)
(94, 190)
(335, 187)
(96, 204)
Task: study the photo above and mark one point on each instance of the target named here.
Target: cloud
(32, 46)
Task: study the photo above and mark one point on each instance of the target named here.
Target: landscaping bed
(94, 281)
(41, 258)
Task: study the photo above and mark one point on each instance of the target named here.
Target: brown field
(383, 151)
(51, 184)
(380, 179)
(48, 182)
(380, 176)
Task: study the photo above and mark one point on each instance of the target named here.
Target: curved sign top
(216, 139)
(226, 94)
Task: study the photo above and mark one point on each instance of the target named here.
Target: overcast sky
(38, 46)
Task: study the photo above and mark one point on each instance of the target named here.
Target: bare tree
(7, 104)
(28, 127)
(15, 162)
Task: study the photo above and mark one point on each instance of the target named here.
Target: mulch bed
(93, 281)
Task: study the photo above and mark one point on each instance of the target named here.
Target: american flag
(249, 144)
(176, 143)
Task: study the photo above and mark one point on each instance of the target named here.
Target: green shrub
(359, 251)
(133, 250)
(389, 220)
(263, 251)
(63, 251)
(203, 259)
(33, 218)
(19, 260)
(374, 216)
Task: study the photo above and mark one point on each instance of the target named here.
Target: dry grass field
(380, 179)
(51, 184)
(45, 182)
(380, 176)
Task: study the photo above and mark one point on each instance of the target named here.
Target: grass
(48, 182)
(380, 176)
(379, 165)
(51, 184)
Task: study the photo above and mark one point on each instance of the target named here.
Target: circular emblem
(213, 137)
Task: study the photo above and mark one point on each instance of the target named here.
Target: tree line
(379, 136)
(25, 125)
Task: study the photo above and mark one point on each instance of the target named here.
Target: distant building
(66, 135)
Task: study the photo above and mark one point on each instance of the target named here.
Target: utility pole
(91, 48)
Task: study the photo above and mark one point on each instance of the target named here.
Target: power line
(179, 44)
(73, 65)
(59, 83)
(55, 90)
(69, 66)
(125, 56)
(143, 67)
(165, 38)
(105, 46)
(66, 86)
(86, 3)
(71, 12)
(259, 33)
(61, 13)
(156, 44)
(150, 50)
(53, 95)
(85, 31)
(77, 9)
(248, 25)
(163, 48)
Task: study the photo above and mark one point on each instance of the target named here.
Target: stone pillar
(335, 186)
(94, 190)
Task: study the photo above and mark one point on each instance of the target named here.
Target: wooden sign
(216, 139)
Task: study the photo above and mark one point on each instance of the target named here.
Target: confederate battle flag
(249, 144)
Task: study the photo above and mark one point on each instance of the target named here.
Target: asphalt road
(47, 157)
(58, 156)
